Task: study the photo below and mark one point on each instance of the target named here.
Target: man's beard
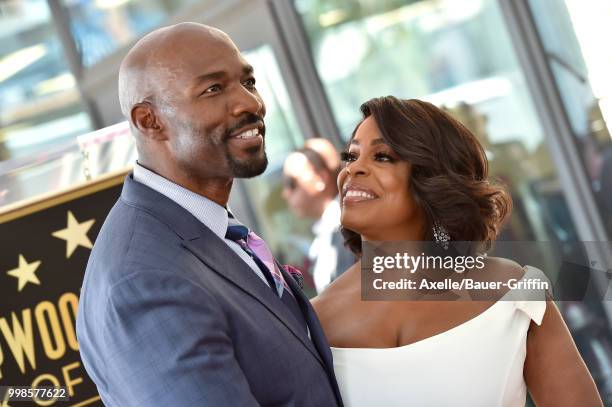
(257, 162)
(251, 167)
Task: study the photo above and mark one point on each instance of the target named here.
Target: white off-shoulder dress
(478, 363)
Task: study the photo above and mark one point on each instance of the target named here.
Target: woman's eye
(384, 157)
(347, 157)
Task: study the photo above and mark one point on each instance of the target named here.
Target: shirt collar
(210, 213)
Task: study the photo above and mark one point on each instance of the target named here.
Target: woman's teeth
(359, 194)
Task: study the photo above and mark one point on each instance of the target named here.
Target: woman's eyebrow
(374, 142)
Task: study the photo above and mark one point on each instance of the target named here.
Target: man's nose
(247, 101)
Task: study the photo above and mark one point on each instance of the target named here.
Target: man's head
(309, 181)
(193, 107)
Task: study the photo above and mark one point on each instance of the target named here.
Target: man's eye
(347, 156)
(212, 89)
(250, 83)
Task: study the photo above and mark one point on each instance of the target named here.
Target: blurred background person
(310, 189)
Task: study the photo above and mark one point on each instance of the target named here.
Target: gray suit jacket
(170, 316)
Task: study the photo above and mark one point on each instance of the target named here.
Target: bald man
(181, 305)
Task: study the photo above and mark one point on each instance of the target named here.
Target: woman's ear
(145, 118)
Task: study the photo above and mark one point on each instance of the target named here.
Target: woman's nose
(358, 167)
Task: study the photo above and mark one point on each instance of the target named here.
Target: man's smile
(249, 138)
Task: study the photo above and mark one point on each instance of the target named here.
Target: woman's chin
(350, 223)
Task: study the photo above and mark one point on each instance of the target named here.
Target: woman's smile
(357, 193)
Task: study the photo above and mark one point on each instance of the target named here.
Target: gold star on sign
(75, 234)
(25, 273)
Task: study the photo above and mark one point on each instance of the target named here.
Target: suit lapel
(215, 253)
(316, 332)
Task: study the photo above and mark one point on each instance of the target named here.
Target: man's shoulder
(131, 226)
(133, 239)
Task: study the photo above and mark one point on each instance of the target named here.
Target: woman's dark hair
(449, 170)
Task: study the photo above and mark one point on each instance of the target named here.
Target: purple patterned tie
(260, 248)
(257, 248)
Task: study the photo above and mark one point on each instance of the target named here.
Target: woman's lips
(357, 194)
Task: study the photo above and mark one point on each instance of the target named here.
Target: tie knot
(236, 232)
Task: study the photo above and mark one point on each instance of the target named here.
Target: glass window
(100, 27)
(40, 107)
(432, 49)
(454, 54)
(575, 37)
(575, 46)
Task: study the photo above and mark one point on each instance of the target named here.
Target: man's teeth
(359, 194)
(249, 134)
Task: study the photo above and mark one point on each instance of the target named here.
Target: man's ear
(318, 181)
(326, 178)
(147, 121)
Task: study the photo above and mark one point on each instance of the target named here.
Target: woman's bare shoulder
(340, 291)
(503, 268)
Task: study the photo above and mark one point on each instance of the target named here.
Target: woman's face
(375, 189)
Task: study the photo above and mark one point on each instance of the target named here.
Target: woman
(420, 168)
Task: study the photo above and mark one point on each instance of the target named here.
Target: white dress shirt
(322, 251)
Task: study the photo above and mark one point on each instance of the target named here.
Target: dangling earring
(441, 235)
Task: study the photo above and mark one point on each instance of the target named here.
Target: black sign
(44, 247)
